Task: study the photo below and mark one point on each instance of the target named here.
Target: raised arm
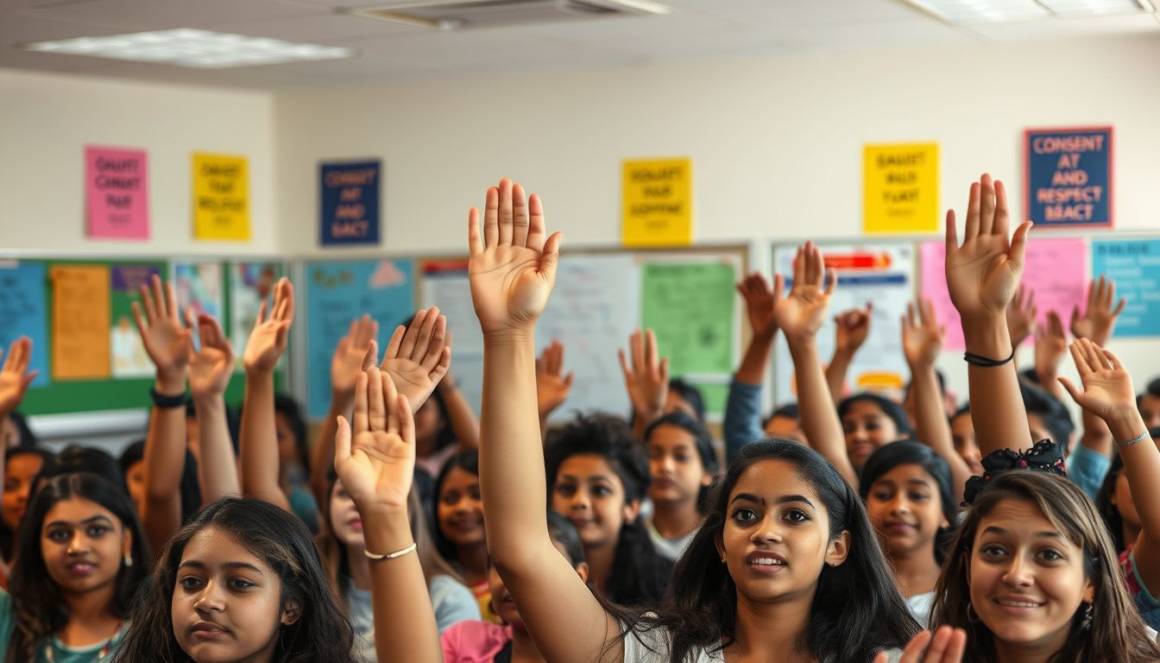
(461, 417)
(742, 423)
(800, 316)
(646, 380)
(512, 270)
(1050, 347)
(210, 370)
(851, 328)
(1096, 323)
(350, 358)
(14, 381)
(376, 462)
(259, 443)
(552, 384)
(418, 358)
(922, 340)
(1021, 315)
(982, 277)
(1108, 393)
(170, 347)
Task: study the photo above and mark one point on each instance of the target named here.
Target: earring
(128, 560)
(1085, 623)
(972, 616)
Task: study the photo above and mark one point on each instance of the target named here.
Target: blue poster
(1135, 267)
(336, 294)
(22, 312)
(1069, 176)
(349, 195)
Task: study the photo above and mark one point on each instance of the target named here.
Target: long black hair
(190, 489)
(856, 610)
(468, 461)
(39, 607)
(702, 440)
(281, 540)
(7, 534)
(908, 452)
(640, 574)
(1108, 510)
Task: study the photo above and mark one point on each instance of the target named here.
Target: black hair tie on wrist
(165, 401)
(987, 362)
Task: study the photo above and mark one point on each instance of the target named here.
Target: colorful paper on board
(349, 197)
(22, 312)
(1135, 267)
(251, 283)
(80, 322)
(690, 307)
(128, 352)
(336, 294)
(199, 286)
(900, 188)
(1069, 177)
(117, 193)
(221, 197)
(657, 202)
(1055, 271)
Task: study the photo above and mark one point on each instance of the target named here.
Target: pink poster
(1056, 271)
(117, 193)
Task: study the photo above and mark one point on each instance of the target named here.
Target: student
(759, 518)
(907, 490)
(80, 558)
(16, 433)
(598, 478)
(241, 582)
(294, 459)
(458, 532)
(682, 465)
(869, 422)
(22, 466)
(963, 435)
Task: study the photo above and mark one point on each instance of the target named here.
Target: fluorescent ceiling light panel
(984, 11)
(1090, 7)
(192, 48)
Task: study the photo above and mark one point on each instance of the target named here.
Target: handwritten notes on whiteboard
(80, 322)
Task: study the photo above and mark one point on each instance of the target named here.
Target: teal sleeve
(5, 622)
(1087, 469)
(452, 601)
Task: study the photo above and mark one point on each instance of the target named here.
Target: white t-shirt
(920, 605)
(670, 549)
(652, 646)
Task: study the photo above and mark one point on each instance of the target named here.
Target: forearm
(756, 358)
(1096, 435)
(218, 470)
(1142, 468)
(819, 418)
(259, 443)
(461, 417)
(836, 372)
(933, 427)
(997, 410)
(164, 460)
(400, 635)
(322, 458)
(742, 423)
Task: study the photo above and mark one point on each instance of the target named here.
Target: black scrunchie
(1045, 456)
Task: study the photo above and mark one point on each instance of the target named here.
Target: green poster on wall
(690, 307)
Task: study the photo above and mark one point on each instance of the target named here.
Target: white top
(653, 647)
(670, 549)
(920, 605)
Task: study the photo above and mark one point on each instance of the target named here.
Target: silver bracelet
(1134, 441)
(389, 556)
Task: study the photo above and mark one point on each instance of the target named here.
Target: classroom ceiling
(386, 51)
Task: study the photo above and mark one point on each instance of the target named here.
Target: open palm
(375, 459)
(984, 273)
(512, 267)
(922, 336)
(801, 314)
(1107, 386)
(168, 343)
(760, 301)
(418, 356)
(212, 365)
(349, 356)
(268, 340)
(15, 376)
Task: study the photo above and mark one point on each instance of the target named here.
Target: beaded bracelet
(1132, 442)
(389, 556)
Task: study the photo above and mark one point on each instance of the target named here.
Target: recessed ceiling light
(192, 48)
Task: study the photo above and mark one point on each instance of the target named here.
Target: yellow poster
(900, 188)
(657, 202)
(221, 197)
(80, 322)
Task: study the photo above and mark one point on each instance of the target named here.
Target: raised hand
(375, 458)
(168, 343)
(800, 315)
(1098, 318)
(419, 356)
(512, 267)
(270, 335)
(984, 273)
(349, 356)
(852, 327)
(1050, 346)
(760, 300)
(15, 376)
(647, 379)
(1021, 315)
(552, 385)
(1107, 386)
(947, 645)
(922, 335)
(211, 366)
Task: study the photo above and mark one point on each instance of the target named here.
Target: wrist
(259, 372)
(842, 356)
(802, 346)
(987, 337)
(507, 337)
(170, 384)
(1125, 423)
(209, 402)
(386, 528)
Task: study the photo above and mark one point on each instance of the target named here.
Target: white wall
(776, 143)
(46, 121)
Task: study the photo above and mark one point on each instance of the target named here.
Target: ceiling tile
(138, 15)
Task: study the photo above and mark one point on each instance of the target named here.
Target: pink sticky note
(1055, 270)
(117, 193)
